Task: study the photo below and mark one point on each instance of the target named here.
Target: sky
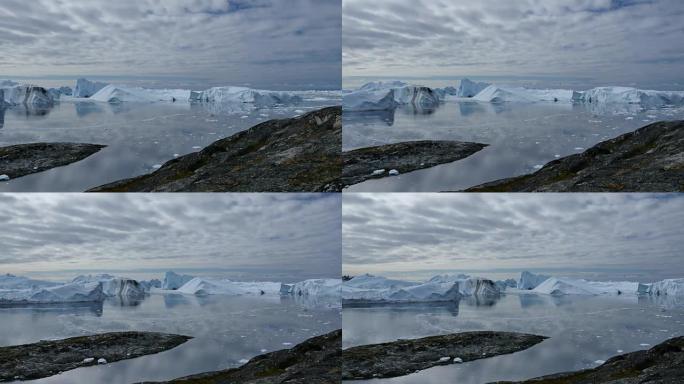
(637, 236)
(295, 43)
(262, 236)
(610, 42)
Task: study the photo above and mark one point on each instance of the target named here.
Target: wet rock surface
(401, 357)
(300, 154)
(662, 364)
(47, 358)
(24, 159)
(365, 163)
(650, 159)
(314, 361)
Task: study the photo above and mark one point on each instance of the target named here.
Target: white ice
(529, 280)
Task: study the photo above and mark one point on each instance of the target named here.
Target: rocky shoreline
(402, 357)
(662, 364)
(376, 162)
(314, 361)
(25, 159)
(50, 357)
(650, 159)
(300, 154)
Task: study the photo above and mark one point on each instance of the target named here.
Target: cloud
(295, 233)
(412, 232)
(226, 41)
(613, 41)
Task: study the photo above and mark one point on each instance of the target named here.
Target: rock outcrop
(47, 358)
(24, 159)
(315, 361)
(402, 357)
(662, 364)
(650, 159)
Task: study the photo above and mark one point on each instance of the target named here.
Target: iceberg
(529, 280)
(113, 286)
(439, 288)
(87, 88)
(173, 280)
(317, 287)
(558, 286)
(56, 93)
(26, 94)
(377, 97)
(508, 283)
(376, 282)
(496, 94)
(258, 98)
(468, 88)
(63, 293)
(628, 95)
(10, 281)
(667, 287)
(117, 94)
(202, 287)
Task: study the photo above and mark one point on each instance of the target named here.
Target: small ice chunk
(378, 172)
(599, 362)
(88, 360)
(579, 149)
(620, 351)
(102, 360)
(645, 344)
(394, 172)
(176, 155)
(264, 350)
(243, 361)
(443, 359)
(196, 147)
(287, 343)
(629, 118)
(156, 166)
(4, 177)
(458, 360)
(538, 166)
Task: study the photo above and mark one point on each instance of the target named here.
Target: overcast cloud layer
(297, 234)
(390, 233)
(267, 42)
(612, 41)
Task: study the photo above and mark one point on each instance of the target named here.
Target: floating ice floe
(117, 94)
(561, 286)
(203, 286)
(62, 293)
(440, 288)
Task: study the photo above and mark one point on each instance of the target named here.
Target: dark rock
(47, 358)
(662, 364)
(289, 155)
(24, 159)
(650, 159)
(315, 361)
(359, 164)
(402, 357)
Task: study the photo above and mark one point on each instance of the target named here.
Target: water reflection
(521, 136)
(581, 330)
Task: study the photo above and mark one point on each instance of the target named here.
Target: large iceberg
(376, 282)
(116, 94)
(113, 286)
(26, 94)
(561, 286)
(378, 96)
(203, 286)
(317, 287)
(256, 97)
(667, 287)
(63, 293)
(172, 280)
(496, 94)
(440, 288)
(87, 88)
(529, 280)
(468, 88)
(628, 95)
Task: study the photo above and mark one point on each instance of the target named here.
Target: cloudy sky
(262, 235)
(616, 235)
(261, 42)
(610, 41)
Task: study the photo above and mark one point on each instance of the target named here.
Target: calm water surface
(225, 330)
(582, 330)
(138, 136)
(522, 137)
